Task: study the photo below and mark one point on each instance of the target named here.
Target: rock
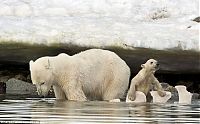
(188, 84)
(28, 78)
(174, 97)
(14, 86)
(167, 87)
(2, 88)
(197, 19)
(20, 77)
(20, 55)
(4, 78)
(195, 96)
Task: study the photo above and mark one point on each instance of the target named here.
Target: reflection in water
(37, 110)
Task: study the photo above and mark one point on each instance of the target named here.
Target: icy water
(16, 109)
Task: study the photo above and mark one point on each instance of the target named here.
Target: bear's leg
(73, 91)
(159, 87)
(115, 90)
(59, 94)
(132, 92)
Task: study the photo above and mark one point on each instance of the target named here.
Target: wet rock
(195, 96)
(28, 78)
(2, 88)
(20, 77)
(14, 86)
(4, 78)
(188, 84)
(168, 87)
(197, 19)
(169, 59)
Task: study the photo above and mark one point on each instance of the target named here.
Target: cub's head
(41, 75)
(151, 65)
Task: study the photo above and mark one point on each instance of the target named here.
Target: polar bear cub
(144, 79)
(94, 74)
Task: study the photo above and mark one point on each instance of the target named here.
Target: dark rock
(171, 61)
(175, 97)
(170, 89)
(20, 77)
(195, 96)
(2, 88)
(167, 87)
(164, 85)
(188, 84)
(4, 78)
(28, 78)
(14, 86)
(197, 19)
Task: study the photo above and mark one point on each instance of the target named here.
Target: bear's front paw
(162, 93)
(131, 96)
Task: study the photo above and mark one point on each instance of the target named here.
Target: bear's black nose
(157, 64)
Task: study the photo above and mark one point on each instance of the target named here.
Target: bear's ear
(142, 65)
(47, 66)
(31, 64)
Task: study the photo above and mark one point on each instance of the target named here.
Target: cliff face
(135, 29)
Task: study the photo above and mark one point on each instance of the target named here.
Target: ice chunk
(140, 97)
(158, 99)
(184, 96)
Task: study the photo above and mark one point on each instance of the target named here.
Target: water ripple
(36, 110)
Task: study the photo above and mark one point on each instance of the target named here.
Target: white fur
(145, 79)
(94, 74)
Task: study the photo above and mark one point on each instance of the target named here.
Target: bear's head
(151, 65)
(41, 75)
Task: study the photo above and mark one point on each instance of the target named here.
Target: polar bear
(94, 74)
(145, 79)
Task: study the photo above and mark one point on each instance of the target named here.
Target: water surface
(17, 109)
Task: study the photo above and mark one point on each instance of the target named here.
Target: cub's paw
(131, 96)
(161, 93)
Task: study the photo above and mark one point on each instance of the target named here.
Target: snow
(156, 24)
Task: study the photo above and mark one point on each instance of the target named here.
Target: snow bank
(156, 24)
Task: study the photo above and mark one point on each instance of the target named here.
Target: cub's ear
(47, 65)
(143, 65)
(31, 64)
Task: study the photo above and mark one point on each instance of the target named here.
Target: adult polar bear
(94, 74)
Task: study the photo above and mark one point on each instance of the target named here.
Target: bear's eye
(151, 62)
(42, 83)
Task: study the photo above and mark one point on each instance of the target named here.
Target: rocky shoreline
(178, 67)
